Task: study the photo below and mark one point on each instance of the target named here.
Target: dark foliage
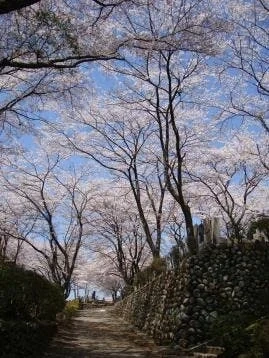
(157, 267)
(241, 333)
(19, 339)
(25, 295)
(28, 307)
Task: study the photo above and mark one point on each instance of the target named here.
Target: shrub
(240, 333)
(71, 308)
(25, 295)
(28, 305)
(20, 339)
(157, 267)
(259, 336)
(229, 331)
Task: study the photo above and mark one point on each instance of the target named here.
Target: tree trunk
(7, 6)
(191, 240)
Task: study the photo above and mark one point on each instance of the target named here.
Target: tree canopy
(123, 125)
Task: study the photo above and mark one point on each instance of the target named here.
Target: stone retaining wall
(180, 307)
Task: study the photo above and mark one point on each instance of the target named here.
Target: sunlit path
(97, 333)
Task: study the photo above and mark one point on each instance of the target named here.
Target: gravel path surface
(99, 333)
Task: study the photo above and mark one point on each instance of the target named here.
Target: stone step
(176, 355)
(214, 349)
(204, 355)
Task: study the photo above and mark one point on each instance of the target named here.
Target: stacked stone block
(181, 306)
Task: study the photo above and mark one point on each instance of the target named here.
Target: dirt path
(98, 333)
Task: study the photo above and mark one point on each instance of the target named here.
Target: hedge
(25, 295)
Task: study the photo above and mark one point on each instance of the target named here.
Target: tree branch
(7, 6)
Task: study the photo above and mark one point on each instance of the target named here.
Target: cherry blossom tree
(122, 146)
(180, 127)
(49, 211)
(162, 116)
(42, 48)
(233, 182)
(7, 6)
(100, 273)
(10, 250)
(119, 236)
(250, 58)
(243, 68)
(164, 74)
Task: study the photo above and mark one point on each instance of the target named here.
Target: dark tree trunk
(7, 6)
(191, 241)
